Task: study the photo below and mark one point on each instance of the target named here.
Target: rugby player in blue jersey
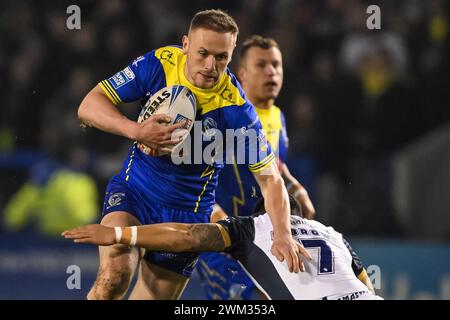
(260, 72)
(153, 189)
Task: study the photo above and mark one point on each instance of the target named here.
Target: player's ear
(185, 41)
(234, 41)
(241, 74)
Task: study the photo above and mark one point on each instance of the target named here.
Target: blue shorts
(121, 196)
(223, 278)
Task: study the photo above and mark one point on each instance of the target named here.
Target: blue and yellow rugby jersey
(188, 187)
(237, 191)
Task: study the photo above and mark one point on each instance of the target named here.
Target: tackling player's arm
(276, 203)
(295, 188)
(358, 267)
(172, 237)
(99, 111)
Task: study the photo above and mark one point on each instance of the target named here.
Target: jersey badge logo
(166, 55)
(122, 77)
(115, 199)
(227, 95)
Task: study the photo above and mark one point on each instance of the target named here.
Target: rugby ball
(178, 102)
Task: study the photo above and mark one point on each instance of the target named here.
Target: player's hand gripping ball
(178, 102)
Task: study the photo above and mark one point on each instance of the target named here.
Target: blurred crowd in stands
(353, 97)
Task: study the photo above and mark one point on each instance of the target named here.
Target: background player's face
(261, 73)
(208, 54)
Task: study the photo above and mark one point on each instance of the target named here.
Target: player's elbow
(83, 109)
(278, 180)
(81, 113)
(269, 178)
(85, 112)
(271, 184)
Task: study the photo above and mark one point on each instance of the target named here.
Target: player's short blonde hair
(215, 20)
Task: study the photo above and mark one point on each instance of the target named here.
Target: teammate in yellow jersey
(260, 72)
(152, 189)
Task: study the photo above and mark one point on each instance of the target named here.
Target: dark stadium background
(368, 116)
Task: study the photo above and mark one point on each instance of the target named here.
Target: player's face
(261, 73)
(208, 54)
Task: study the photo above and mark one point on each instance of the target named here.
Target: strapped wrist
(118, 231)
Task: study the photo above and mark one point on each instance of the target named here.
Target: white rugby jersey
(332, 272)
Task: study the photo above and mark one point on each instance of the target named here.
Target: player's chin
(205, 83)
(270, 95)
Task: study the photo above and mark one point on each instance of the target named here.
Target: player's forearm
(277, 205)
(173, 237)
(176, 237)
(98, 111)
(276, 201)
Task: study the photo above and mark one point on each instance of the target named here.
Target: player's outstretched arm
(276, 202)
(295, 188)
(98, 111)
(173, 237)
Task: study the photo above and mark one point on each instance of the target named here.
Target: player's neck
(260, 103)
(187, 75)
